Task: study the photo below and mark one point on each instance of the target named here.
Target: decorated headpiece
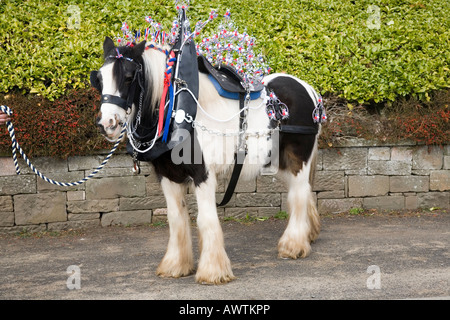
(227, 46)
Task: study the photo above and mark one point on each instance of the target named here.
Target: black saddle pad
(226, 76)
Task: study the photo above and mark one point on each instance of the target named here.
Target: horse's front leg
(178, 260)
(214, 267)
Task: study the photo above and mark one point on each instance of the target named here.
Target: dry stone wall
(384, 177)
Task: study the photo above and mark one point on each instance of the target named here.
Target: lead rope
(16, 147)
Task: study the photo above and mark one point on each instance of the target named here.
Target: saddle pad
(226, 77)
(231, 95)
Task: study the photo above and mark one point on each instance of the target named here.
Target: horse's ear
(95, 81)
(139, 48)
(108, 45)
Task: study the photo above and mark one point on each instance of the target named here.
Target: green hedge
(329, 44)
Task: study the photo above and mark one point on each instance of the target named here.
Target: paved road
(409, 256)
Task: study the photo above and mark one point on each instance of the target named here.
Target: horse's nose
(100, 126)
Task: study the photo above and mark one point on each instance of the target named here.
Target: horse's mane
(154, 68)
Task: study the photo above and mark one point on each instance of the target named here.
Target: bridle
(136, 138)
(138, 80)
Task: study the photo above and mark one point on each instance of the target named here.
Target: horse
(215, 153)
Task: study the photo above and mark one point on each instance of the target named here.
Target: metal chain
(242, 141)
(242, 133)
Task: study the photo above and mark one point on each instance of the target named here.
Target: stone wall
(385, 178)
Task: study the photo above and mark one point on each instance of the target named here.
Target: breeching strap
(238, 161)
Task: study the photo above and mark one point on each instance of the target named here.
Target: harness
(227, 83)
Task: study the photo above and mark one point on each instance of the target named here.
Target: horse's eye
(128, 78)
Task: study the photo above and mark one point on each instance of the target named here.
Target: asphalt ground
(370, 256)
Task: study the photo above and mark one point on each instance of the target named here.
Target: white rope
(222, 120)
(16, 147)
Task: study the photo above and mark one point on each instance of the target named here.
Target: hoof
(214, 279)
(290, 249)
(168, 269)
(215, 269)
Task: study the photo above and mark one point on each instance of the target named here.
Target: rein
(16, 147)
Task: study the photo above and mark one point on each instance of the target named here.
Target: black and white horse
(216, 117)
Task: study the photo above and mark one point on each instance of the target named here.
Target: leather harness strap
(298, 129)
(238, 163)
(239, 158)
(118, 101)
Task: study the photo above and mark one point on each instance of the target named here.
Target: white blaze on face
(111, 115)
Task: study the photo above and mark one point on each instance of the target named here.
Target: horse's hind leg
(304, 222)
(214, 266)
(297, 159)
(178, 260)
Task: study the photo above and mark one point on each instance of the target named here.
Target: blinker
(95, 81)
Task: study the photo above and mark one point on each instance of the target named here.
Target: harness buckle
(180, 83)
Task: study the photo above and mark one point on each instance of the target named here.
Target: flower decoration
(275, 109)
(319, 115)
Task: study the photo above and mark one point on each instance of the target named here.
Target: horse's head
(118, 82)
